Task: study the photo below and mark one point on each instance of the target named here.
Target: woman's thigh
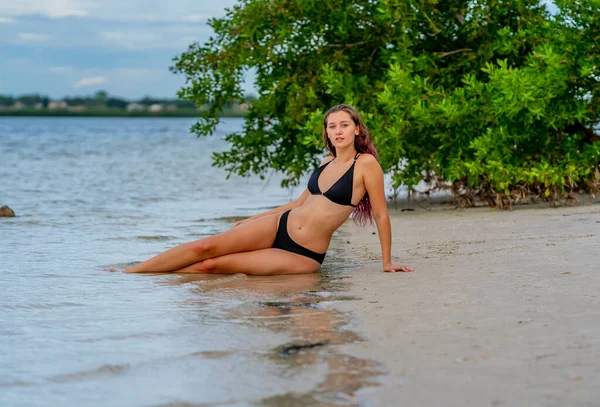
(255, 235)
(262, 262)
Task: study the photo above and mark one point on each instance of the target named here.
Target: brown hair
(363, 143)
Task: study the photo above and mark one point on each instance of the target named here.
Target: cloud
(94, 80)
(165, 38)
(33, 37)
(48, 8)
(194, 18)
(56, 46)
(118, 10)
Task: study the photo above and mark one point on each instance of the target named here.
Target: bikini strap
(356, 156)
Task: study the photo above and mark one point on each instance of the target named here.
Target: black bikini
(339, 193)
(284, 241)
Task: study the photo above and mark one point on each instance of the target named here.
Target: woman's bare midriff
(312, 224)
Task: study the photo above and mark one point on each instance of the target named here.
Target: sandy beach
(502, 310)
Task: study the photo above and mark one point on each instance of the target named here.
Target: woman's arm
(373, 180)
(291, 205)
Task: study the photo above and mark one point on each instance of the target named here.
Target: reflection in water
(297, 305)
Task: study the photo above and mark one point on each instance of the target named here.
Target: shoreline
(117, 113)
(501, 310)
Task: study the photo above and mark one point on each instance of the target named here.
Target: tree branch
(591, 136)
(347, 45)
(445, 54)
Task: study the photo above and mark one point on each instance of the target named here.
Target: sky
(77, 47)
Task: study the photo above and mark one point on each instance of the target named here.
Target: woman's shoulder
(368, 165)
(367, 158)
(326, 160)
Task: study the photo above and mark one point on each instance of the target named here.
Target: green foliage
(489, 96)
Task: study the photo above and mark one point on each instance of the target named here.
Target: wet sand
(502, 310)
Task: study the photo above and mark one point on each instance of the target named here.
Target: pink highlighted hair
(363, 143)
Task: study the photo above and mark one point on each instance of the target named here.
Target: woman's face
(341, 129)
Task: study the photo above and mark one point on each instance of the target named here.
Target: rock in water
(6, 212)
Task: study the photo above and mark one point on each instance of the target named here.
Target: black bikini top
(340, 192)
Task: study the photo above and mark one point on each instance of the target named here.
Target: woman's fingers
(393, 268)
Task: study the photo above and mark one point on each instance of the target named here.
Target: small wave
(142, 335)
(29, 223)
(54, 275)
(16, 383)
(148, 199)
(161, 238)
(119, 266)
(101, 371)
(119, 238)
(61, 154)
(231, 218)
(127, 216)
(41, 306)
(203, 282)
(259, 208)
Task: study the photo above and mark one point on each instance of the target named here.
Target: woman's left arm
(373, 179)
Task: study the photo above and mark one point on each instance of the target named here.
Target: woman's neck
(345, 155)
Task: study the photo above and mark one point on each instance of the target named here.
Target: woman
(293, 238)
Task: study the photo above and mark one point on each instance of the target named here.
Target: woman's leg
(262, 262)
(255, 235)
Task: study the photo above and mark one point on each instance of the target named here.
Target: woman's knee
(206, 266)
(201, 247)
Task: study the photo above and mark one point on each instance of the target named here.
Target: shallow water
(94, 193)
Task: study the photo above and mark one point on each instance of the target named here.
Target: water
(94, 193)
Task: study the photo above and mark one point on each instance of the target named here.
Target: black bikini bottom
(284, 241)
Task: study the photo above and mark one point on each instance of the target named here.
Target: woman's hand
(391, 268)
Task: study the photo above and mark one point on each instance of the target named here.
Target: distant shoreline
(114, 113)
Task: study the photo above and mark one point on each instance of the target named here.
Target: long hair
(363, 143)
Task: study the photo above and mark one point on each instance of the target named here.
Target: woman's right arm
(291, 205)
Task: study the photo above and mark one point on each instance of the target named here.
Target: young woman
(294, 237)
